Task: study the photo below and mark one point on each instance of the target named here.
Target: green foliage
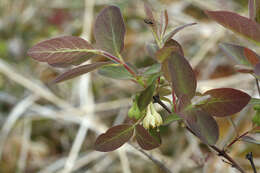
(115, 71)
(172, 70)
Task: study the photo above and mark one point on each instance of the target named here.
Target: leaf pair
(198, 116)
(118, 135)
(109, 33)
(159, 28)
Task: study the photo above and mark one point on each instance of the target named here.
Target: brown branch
(220, 152)
(237, 138)
(249, 156)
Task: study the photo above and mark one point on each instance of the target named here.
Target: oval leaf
(146, 96)
(78, 71)
(109, 30)
(225, 101)
(181, 75)
(155, 68)
(237, 23)
(240, 54)
(114, 138)
(115, 71)
(62, 51)
(146, 140)
(203, 125)
(171, 118)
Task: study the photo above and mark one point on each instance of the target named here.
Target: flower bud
(134, 111)
(152, 118)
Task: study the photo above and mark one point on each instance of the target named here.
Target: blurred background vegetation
(53, 128)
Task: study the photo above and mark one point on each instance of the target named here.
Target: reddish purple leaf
(145, 139)
(109, 30)
(114, 137)
(78, 71)
(225, 101)
(181, 75)
(243, 69)
(165, 22)
(237, 23)
(241, 54)
(176, 30)
(62, 51)
(252, 57)
(251, 9)
(165, 52)
(257, 70)
(150, 17)
(254, 10)
(203, 125)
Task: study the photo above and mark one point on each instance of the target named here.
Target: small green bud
(256, 118)
(134, 111)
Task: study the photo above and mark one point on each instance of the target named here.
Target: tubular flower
(152, 118)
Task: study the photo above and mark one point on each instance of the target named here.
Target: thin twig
(25, 144)
(154, 160)
(237, 138)
(17, 111)
(257, 84)
(249, 156)
(220, 152)
(86, 97)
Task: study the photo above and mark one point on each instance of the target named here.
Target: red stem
(114, 58)
(237, 138)
(174, 101)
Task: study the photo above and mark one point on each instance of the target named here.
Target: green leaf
(155, 68)
(239, 24)
(147, 140)
(203, 125)
(240, 54)
(256, 118)
(115, 71)
(152, 78)
(62, 51)
(114, 137)
(146, 96)
(79, 71)
(225, 101)
(171, 118)
(109, 30)
(254, 101)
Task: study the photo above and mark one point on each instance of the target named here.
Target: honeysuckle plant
(172, 76)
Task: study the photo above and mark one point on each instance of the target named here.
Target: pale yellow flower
(152, 118)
